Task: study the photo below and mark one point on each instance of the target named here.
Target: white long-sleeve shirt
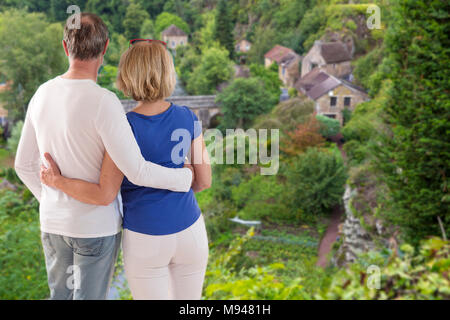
(75, 121)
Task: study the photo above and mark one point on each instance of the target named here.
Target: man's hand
(52, 175)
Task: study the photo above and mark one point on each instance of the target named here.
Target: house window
(333, 101)
(283, 71)
(347, 101)
(332, 116)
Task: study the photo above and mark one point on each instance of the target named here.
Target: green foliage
(265, 38)
(134, 19)
(286, 115)
(22, 267)
(117, 46)
(147, 30)
(30, 57)
(186, 60)
(255, 283)
(166, 19)
(269, 77)
(215, 68)
(107, 79)
(242, 101)
(112, 12)
(292, 92)
(414, 157)
(328, 127)
(316, 179)
(13, 141)
(223, 31)
(417, 274)
(261, 198)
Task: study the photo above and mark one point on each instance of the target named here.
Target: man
(75, 120)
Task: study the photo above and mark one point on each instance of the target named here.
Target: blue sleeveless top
(164, 139)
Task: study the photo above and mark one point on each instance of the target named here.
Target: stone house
(243, 46)
(330, 94)
(174, 37)
(332, 57)
(288, 63)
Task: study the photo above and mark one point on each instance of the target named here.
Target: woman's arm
(201, 164)
(116, 134)
(102, 193)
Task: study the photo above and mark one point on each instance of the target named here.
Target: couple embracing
(79, 152)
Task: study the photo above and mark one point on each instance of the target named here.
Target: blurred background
(359, 90)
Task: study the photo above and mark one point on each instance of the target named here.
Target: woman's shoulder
(184, 111)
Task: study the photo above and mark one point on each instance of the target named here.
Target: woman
(165, 246)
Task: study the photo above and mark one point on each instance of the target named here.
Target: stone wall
(355, 238)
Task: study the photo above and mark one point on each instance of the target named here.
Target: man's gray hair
(88, 41)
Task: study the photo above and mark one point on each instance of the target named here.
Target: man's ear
(106, 46)
(65, 48)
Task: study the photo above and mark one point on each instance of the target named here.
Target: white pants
(166, 267)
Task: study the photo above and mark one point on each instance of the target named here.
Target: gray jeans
(79, 268)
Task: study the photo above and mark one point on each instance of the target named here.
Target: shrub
(261, 198)
(242, 101)
(328, 127)
(316, 179)
(416, 274)
(304, 136)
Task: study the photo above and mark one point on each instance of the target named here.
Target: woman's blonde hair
(146, 72)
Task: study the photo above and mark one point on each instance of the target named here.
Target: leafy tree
(215, 68)
(166, 19)
(265, 38)
(186, 60)
(30, 54)
(107, 79)
(148, 29)
(328, 127)
(316, 178)
(117, 46)
(269, 76)
(58, 8)
(134, 19)
(112, 12)
(306, 135)
(415, 156)
(242, 101)
(224, 27)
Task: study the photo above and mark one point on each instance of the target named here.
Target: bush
(215, 68)
(242, 101)
(416, 274)
(286, 115)
(328, 127)
(261, 198)
(304, 136)
(22, 267)
(316, 181)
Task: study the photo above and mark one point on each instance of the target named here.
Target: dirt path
(333, 226)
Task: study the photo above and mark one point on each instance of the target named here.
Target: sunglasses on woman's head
(133, 41)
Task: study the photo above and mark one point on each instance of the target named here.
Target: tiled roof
(310, 79)
(173, 30)
(323, 87)
(278, 53)
(317, 82)
(289, 58)
(334, 52)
